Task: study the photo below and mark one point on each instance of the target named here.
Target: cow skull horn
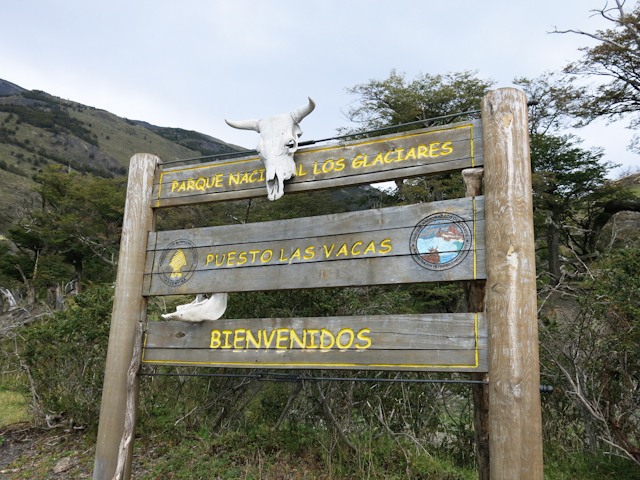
(299, 113)
(244, 124)
(277, 145)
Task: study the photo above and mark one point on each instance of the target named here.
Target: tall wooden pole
(129, 308)
(515, 425)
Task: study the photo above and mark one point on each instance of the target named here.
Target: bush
(66, 357)
(590, 351)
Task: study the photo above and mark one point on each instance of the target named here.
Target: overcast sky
(190, 64)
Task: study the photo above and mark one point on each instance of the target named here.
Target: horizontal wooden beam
(389, 157)
(429, 242)
(439, 342)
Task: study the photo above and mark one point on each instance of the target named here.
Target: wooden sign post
(515, 422)
(129, 308)
(431, 242)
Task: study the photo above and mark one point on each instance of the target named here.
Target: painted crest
(178, 262)
(441, 241)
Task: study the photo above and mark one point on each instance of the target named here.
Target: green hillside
(37, 129)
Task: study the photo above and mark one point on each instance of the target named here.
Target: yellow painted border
(470, 126)
(293, 365)
(473, 160)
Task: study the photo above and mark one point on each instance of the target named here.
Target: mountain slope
(200, 142)
(8, 88)
(38, 129)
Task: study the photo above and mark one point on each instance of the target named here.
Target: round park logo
(178, 262)
(440, 241)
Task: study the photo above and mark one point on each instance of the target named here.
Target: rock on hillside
(630, 181)
(621, 231)
(8, 88)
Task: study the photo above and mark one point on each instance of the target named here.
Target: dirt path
(33, 453)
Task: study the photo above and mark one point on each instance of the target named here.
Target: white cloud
(193, 63)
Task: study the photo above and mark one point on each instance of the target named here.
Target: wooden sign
(440, 342)
(440, 241)
(388, 157)
(429, 242)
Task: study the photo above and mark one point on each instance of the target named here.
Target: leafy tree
(396, 100)
(616, 60)
(65, 355)
(572, 198)
(567, 180)
(306, 204)
(552, 101)
(79, 220)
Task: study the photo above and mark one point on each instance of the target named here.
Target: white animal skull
(200, 309)
(278, 142)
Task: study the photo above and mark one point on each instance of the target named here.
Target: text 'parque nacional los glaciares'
(400, 155)
(361, 161)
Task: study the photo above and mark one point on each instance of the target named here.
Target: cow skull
(278, 142)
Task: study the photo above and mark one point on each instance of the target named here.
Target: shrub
(66, 356)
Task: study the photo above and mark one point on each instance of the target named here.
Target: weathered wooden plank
(324, 163)
(392, 270)
(418, 243)
(515, 424)
(388, 332)
(439, 342)
(133, 387)
(336, 224)
(475, 293)
(389, 157)
(326, 248)
(362, 179)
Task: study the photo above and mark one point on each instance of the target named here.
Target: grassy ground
(255, 452)
(13, 408)
(263, 455)
(229, 457)
(121, 139)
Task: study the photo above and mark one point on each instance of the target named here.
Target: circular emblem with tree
(441, 241)
(178, 262)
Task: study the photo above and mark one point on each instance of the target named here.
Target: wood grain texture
(514, 376)
(475, 292)
(129, 308)
(130, 413)
(439, 342)
(388, 157)
(357, 248)
(335, 224)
